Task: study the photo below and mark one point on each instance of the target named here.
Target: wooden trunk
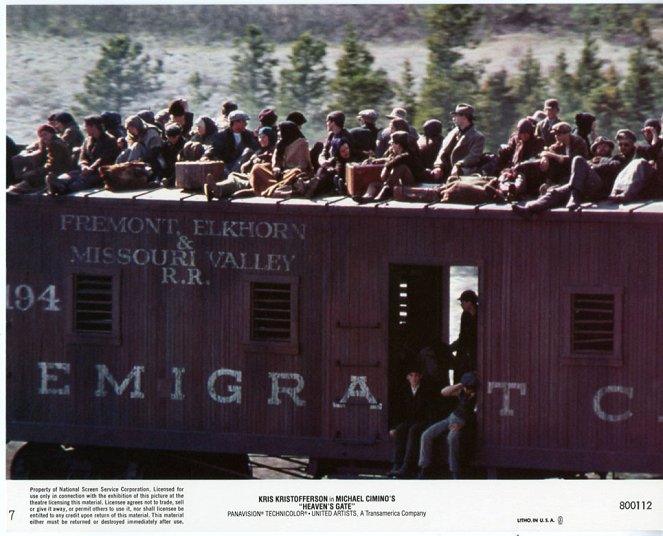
(359, 176)
(191, 175)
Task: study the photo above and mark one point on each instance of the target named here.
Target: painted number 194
(23, 298)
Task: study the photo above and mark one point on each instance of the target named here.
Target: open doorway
(424, 314)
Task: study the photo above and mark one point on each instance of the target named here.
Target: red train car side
(157, 320)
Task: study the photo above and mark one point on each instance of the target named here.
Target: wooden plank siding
(339, 272)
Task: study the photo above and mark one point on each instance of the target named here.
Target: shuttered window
(593, 323)
(93, 299)
(272, 315)
(594, 326)
(272, 321)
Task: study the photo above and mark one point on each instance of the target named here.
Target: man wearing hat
(382, 142)
(364, 137)
(556, 158)
(461, 149)
(226, 107)
(544, 126)
(642, 178)
(234, 144)
(465, 345)
(589, 180)
(335, 122)
(170, 152)
(411, 414)
(453, 426)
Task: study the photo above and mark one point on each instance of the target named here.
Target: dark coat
(223, 147)
(542, 131)
(412, 409)
(58, 159)
(516, 152)
(461, 145)
(103, 148)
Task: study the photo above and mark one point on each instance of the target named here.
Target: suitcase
(191, 175)
(359, 176)
(420, 193)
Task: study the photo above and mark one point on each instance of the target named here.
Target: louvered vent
(402, 302)
(271, 311)
(94, 303)
(593, 327)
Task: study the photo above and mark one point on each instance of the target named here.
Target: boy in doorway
(412, 415)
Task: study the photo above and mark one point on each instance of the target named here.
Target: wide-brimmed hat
(398, 112)
(561, 128)
(598, 141)
(464, 109)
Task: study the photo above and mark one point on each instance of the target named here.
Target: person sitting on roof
(589, 180)
(98, 149)
(54, 158)
(461, 149)
(403, 166)
(68, 130)
(238, 181)
(234, 144)
(430, 143)
(544, 126)
(143, 143)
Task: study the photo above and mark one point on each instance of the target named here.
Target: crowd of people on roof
(546, 162)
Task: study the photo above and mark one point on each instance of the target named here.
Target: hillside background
(51, 48)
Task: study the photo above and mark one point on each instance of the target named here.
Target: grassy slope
(44, 73)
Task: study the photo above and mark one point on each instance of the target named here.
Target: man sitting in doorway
(452, 426)
(412, 415)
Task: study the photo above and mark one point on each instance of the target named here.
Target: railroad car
(157, 320)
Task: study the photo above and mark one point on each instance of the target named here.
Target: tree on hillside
(252, 79)
(562, 84)
(199, 96)
(121, 74)
(588, 72)
(356, 84)
(406, 93)
(496, 110)
(528, 85)
(607, 104)
(640, 88)
(447, 82)
(303, 83)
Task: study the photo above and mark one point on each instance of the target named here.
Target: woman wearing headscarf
(430, 143)
(403, 166)
(291, 158)
(585, 123)
(143, 142)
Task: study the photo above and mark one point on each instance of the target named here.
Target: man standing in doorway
(465, 345)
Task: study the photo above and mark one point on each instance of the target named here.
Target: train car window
(93, 311)
(271, 311)
(272, 323)
(594, 320)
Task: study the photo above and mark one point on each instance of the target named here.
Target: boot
(554, 197)
(211, 189)
(574, 201)
(424, 474)
(406, 470)
(522, 212)
(394, 470)
(56, 186)
(384, 194)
